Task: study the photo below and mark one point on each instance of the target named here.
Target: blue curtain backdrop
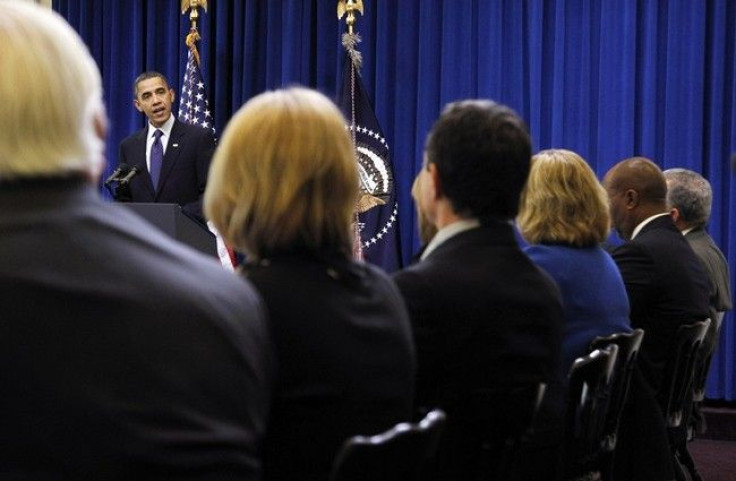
(608, 79)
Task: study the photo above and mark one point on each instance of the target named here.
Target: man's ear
(137, 105)
(675, 214)
(632, 198)
(436, 180)
(173, 95)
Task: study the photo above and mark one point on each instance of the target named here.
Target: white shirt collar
(165, 128)
(448, 232)
(645, 222)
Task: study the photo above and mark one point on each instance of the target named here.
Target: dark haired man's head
(636, 190)
(153, 97)
(147, 75)
(482, 154)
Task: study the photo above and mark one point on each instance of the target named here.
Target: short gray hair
(691, 194)
(51, 96)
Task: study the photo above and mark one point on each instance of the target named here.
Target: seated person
(485, 318)
(564, 216)
(124, 355)
(282, 189)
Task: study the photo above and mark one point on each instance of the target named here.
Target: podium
(177, 224)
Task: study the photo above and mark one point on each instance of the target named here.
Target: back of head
(690, 193)
(51, 96)
(636, 191)
(639, 174)
(563, 202)
(482, 152)
(284, 176)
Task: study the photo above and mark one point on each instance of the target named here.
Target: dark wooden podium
(177, 224)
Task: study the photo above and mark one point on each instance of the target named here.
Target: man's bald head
(641, 175)
(636, 190)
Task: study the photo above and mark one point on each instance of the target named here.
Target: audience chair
(589, 390)
(508, 427)
(703, 366)
(398, 454)
(676, 395)
(628, 344)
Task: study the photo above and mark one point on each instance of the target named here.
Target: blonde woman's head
(563, 202)
(284, 176)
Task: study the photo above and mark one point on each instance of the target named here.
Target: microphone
(131, 173)
(121, 169)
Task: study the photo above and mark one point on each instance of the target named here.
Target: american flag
(194, 108)
(193, 105)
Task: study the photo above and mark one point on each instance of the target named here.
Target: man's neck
(445, 215)
(646, 211)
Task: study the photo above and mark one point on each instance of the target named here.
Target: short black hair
(145, 76)
(482, 152)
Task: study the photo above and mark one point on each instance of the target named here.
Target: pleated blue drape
(608, 79)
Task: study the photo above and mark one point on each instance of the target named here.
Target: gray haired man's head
(53, 120)
(690, 193)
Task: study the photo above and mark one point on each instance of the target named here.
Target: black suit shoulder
(479, 299)
(345, 358)
(667, 287)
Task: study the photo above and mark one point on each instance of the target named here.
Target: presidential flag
(377, 226)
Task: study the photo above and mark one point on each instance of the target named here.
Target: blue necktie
(157, 158)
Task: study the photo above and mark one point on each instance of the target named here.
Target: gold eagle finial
(193, 4)
(349, 7)
(194, 14)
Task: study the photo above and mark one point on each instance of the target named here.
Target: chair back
(676, 394)
(703, 366)
(395, 455)
(628, 344)
(508, 423)
(589, 388)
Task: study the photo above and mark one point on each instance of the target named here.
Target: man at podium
(171, 158)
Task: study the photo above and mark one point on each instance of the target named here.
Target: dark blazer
(184, 170)
(123, 354)
(716, 266)
(484, 316)
(667, 288)
(345, 359)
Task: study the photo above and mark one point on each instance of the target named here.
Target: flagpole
(348, 8)
(198, 112)
(193, 37)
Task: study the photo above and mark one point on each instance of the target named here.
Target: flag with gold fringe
(194, 108)
(376, 227)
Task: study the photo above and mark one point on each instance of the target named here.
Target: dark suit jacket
(123, 354)
(484, 316)
(345, 359)
(716, 266)
(667, 288)
(184, 170)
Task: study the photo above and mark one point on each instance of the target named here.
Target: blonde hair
(284, 176)
(563, 202)
(426, 228)
(50, 96)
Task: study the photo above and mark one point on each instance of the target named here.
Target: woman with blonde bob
(564, 217)
(282, 187)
